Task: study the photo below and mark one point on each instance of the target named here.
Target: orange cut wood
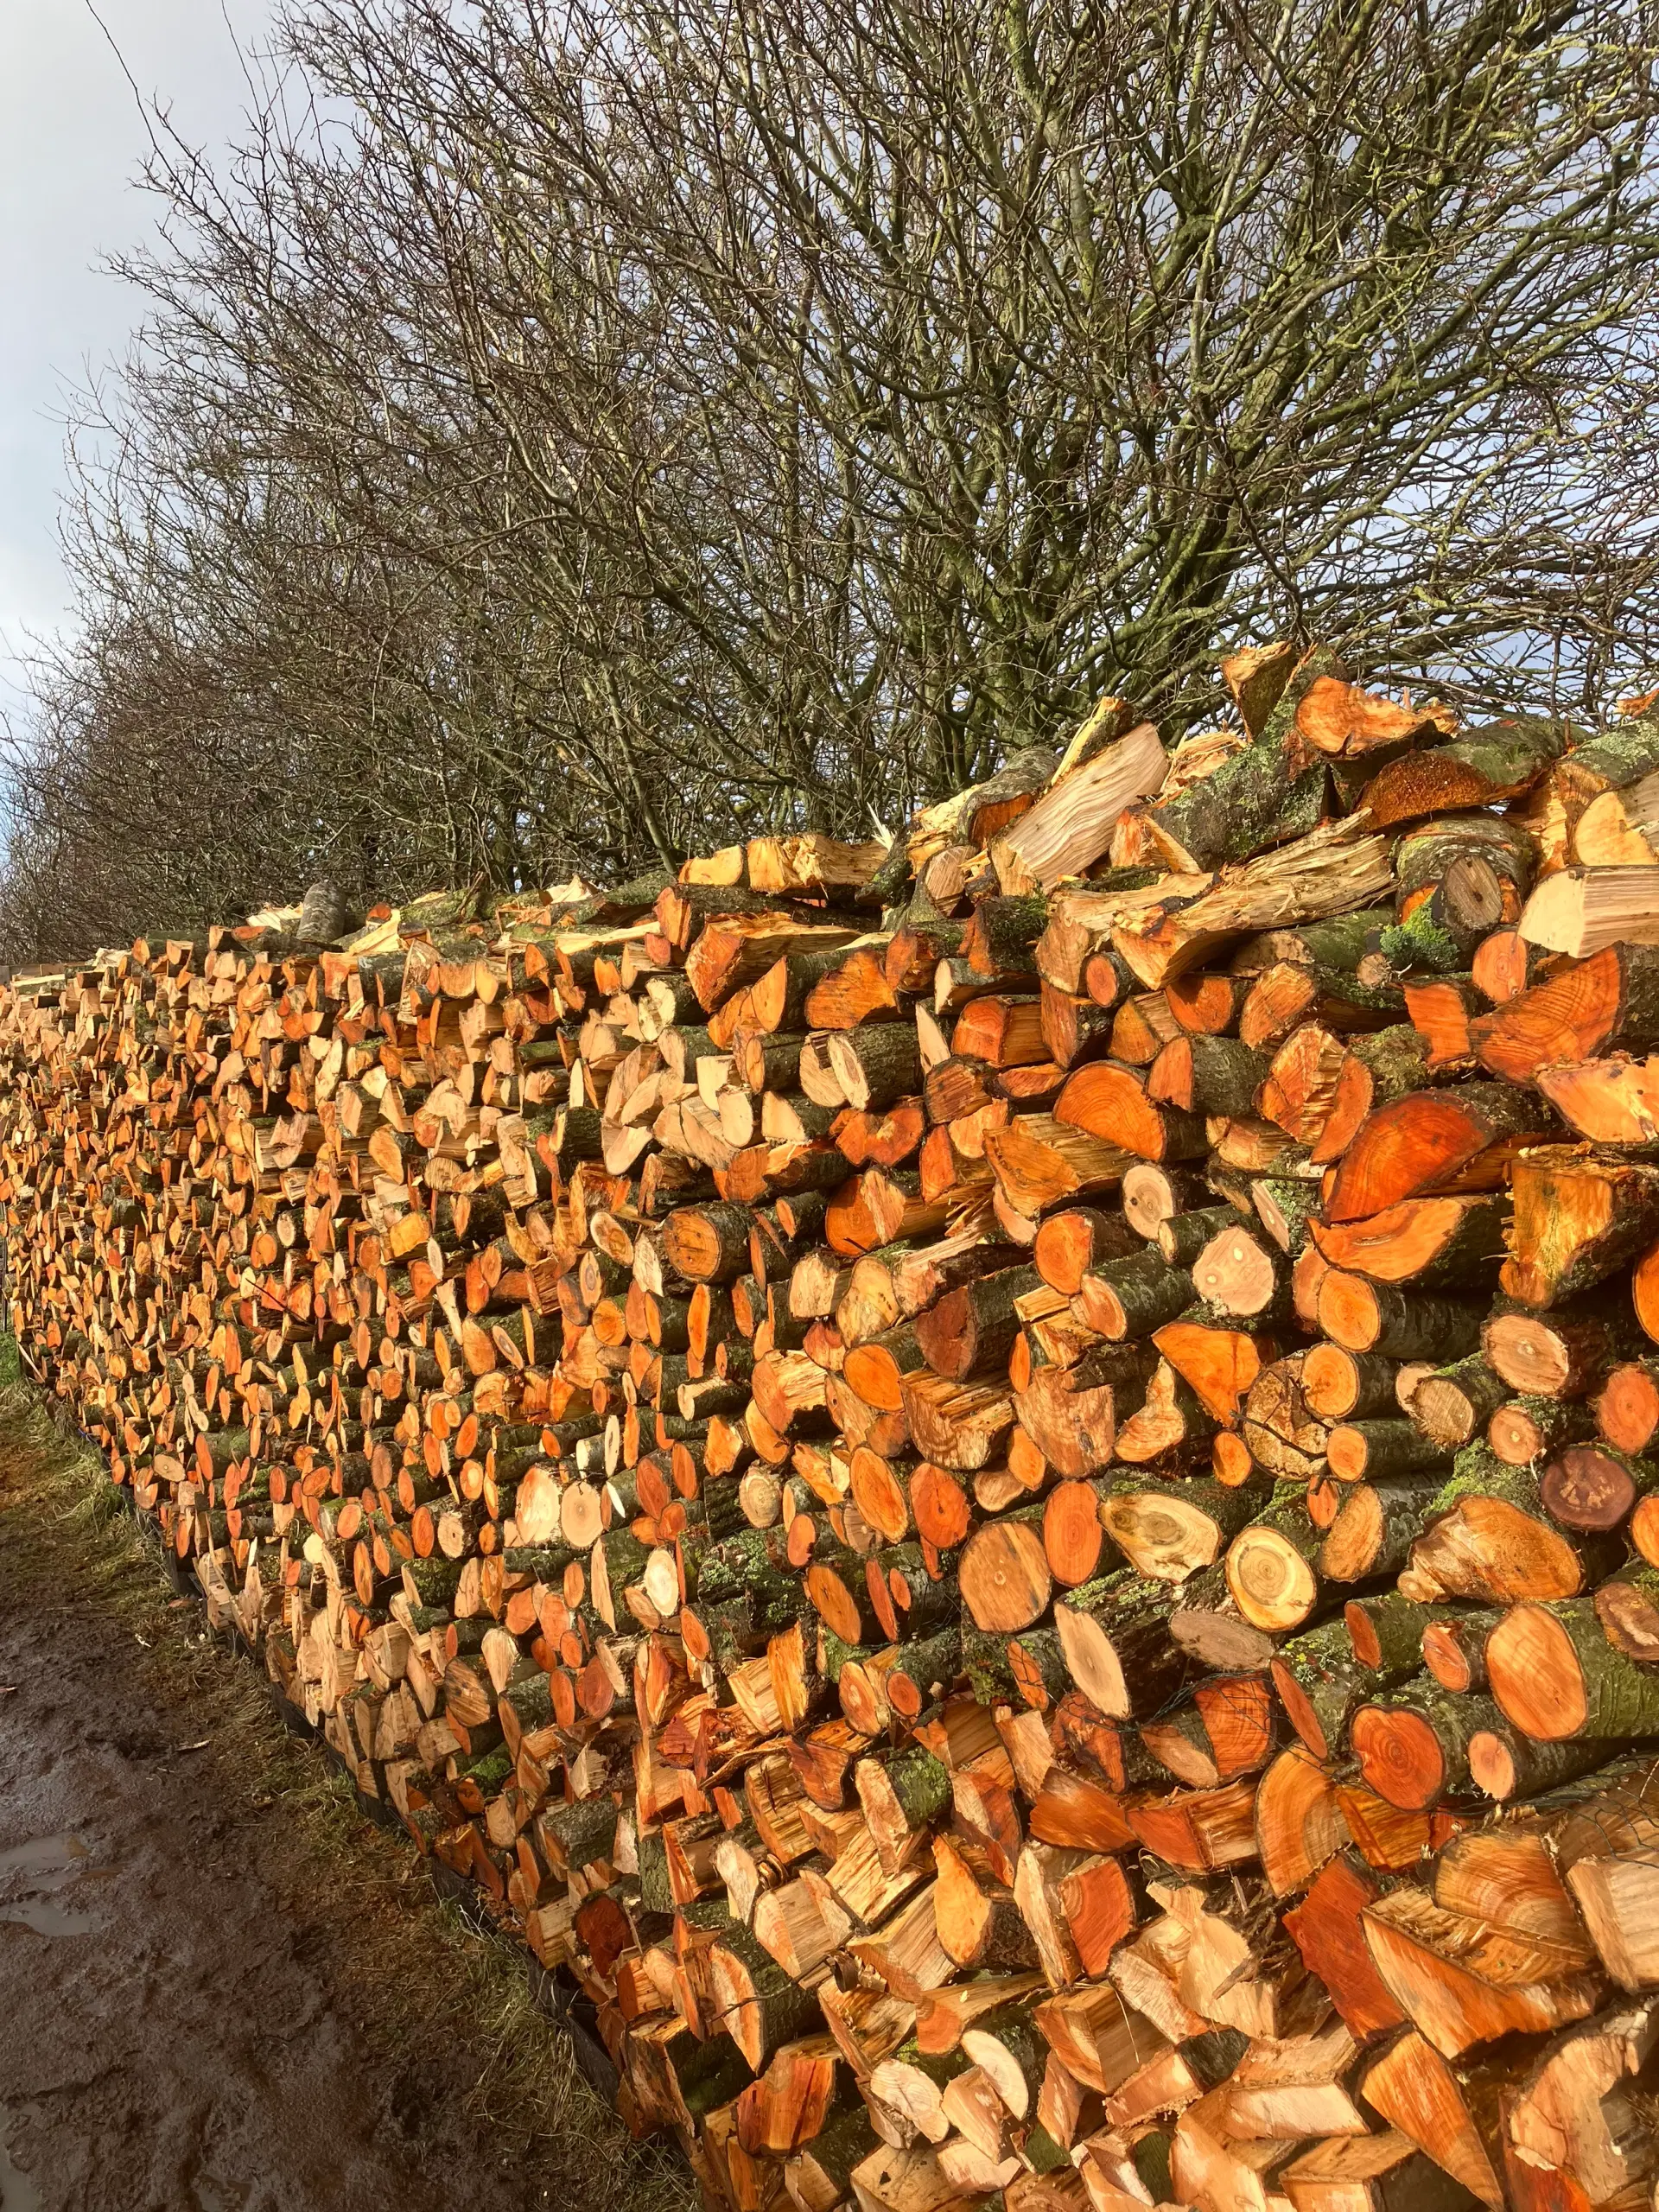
(1303, 1086)
(1417, 1240)
(1463, 1983)
(1005, 1576)
(1326, 1929)
(1645, 1288)
(1611, 1101)
(1111, 1102)
(1460, 1139)
(1072, 1534)
(1220, 1364)
(1611, 998)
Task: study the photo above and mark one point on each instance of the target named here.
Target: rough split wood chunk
(1111, 1103)
(1419, 2094)
(1581, 911)
(974, 816)
(1459, 1139)
(1345, 722)
(1578, 1220)
(1463, 1983)
(1608, 1001)
(1333, 870)
(1619, 829)
(812, 862)
(1069, 827)
(1255, 678)
(739, 949)
(1482, 768)
(1070, 1413)
(1221, 1364)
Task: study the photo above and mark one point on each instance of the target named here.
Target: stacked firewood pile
(999, 1487)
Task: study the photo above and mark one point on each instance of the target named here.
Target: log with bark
(1000, 1493)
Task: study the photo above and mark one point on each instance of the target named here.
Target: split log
(1582, 911)
(1599, 1005)
(1068, 826)
(1578, 1219)
(1462, 1138)
(1498, 761)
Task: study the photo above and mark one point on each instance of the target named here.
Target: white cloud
(72, 143)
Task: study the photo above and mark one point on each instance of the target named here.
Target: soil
(220, 1989)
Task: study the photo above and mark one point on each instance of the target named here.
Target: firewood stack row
(1000, 1487)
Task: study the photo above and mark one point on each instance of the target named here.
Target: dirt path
(220, 1990)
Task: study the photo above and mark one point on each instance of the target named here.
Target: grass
(445, 2003)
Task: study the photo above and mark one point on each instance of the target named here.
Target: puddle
(47, 1864)
(210, 2197)
(17, 2191)
(46, 1854)
(47, 1919)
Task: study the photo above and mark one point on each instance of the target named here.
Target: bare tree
(567, 436)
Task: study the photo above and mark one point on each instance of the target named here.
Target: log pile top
(1005, 1489)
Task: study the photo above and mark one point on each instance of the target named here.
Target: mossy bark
(1143, 1293)
(1397, 1059)
(1287, 1204)
(1008, 929)
(1226, 1075)
(931, 1663)
(1413, 1327)
(1621, 755)
(920, 1785)
(1396, 1625)
(1252, 801)
(985, 1663)
(585, 1832)
(1319, 1679)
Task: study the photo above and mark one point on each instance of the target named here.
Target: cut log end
(1536, 1675)
(1400, 1756)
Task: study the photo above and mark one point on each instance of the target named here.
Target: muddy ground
(220, 1989)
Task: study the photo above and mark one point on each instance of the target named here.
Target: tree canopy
(567, 436)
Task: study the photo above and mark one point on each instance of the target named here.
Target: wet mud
(177, 2033)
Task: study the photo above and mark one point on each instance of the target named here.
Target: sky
(72, 143)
